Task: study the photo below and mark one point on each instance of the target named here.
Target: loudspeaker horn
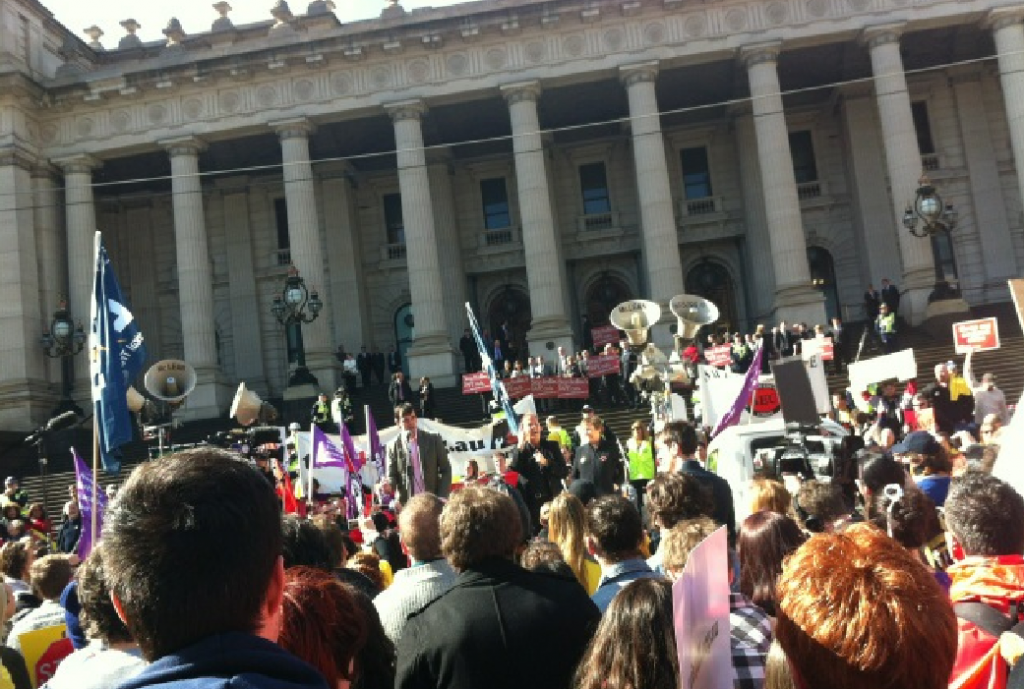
(135, 400)
(247, 408)
(170, 380)
(692, 313)
(635, 317)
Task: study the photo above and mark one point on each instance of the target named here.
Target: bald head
(941, 373)
(530, 425)
(419, 525)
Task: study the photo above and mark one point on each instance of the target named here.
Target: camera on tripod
(810, 454)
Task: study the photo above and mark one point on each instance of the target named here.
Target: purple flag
(354, 460)
(732, 417)
(377, 454)
(325, 452)
(355, 494)
(84, 485)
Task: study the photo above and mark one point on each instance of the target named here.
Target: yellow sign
(43, 650)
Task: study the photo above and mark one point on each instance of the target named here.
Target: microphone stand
(40, 444)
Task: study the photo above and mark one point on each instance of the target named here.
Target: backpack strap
(985, 617)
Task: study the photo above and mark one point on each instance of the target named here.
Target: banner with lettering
(544, 388)
(979, 335)
(473, 383)
(603, 365)
(518, 388)
(573, 388)
(604, 334)
(718, 356)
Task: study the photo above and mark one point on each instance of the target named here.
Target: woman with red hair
(322, 624)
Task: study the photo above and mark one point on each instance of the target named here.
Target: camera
(809, 454)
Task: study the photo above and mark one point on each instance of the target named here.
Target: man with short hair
(598, 459)
(49, 576)
(192, 555)
(950, 399)
(430, 575)
(988, 399)
(672, 498)
(470, 354)
(540, 467)
(499, 625)
(985, 525)
(417, 459)
(13, 493)
(890, 295)
(678, 444)
(615, 535)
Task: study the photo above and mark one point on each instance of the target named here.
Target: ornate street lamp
(294, 306)
(935, 218)
(62, 341)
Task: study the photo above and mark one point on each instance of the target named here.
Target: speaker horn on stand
(636, 317)
(170, 381)
(247, 408)
(692, 314)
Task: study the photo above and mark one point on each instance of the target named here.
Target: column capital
(1004, 17)
(642, 72)
(45, 170)
(758, 53)
(406, 110)
(17, 156)
(183, 146)
(521, 91)
(82, 163)
(882, 34)
(295, 128)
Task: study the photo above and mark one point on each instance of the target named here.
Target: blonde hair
(566, 528)
(767, 494)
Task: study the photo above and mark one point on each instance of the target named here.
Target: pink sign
(718, 356)
(602, 365)
(700, 606)
(545, 388)
(473, 383)
(978, 336)
(604, 334)
(518, 388)
(573, 388)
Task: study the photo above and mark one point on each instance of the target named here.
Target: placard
(544, 388)
(519, 387)
(823, 347)
(979, 335)
(603, 365)
(473, 383)
(573, 388)
(766, 400)
(718, 356)
(700, 606)
(604, 334)
(43, 650)
(901, 365)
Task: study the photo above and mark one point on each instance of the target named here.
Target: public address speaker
(170, 380)
(247, 408)
(692, 313)
(635, 317)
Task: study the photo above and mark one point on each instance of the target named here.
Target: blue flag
(84, 485)
(500, 396)
(118, 352)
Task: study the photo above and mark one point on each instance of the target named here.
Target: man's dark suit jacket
(720, 491)
(437, 470)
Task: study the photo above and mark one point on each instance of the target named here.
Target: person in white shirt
(988, 399)
(49, 576)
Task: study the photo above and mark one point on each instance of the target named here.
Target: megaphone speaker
(135, 400)
(692, 313)
(170, 380)
(635, 317)
(247, 406)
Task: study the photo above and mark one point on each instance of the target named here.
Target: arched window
(823, 276)
(712, 281)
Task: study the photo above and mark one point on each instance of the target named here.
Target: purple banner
(355, 462)
(84, 483)
(377, 455)
(325, 452)
(732, 417)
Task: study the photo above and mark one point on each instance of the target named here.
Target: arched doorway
(712, 281)
(509, 318)
(405, 333)
(823, 277)
(604, 295)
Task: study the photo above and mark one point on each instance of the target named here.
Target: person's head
(322, 624)
(36, 511)
(906, 514)
(639, 430)
(98, 617)
(500, 462)
(12, 511)
(567, 526)
(941, 373)
(367, 564)
(15, 559)
(819, 506)
(544, 556)
(11, 484)
(680, 540)
(477, 524)
(192, 548)
(530, 428)
(419, 525)
(985, 515)
(877, 470)
(614, 530)
(584, 490)
(883, 309)
(990, 425)
(71, 509)
(595, 427)
(677, 439)
(553, 423)
(857, 608)
(334, 539)
(763, 541)
(635, 644)
(50, 575)
(472, 469)
(322, 396)
(304, 544)
(405, 417)
(674, 497)
(770, 494)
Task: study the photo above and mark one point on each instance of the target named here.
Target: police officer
(885, 325)
(321, 413)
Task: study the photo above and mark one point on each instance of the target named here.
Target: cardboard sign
(573, 388)
(43, 650)
(473, 383)
(901, 365)
(719, 356)
(980, 335)
(822, 347)
(700, 606)
(544, 388)
(517, 388)
(602, 365)
(604, 334)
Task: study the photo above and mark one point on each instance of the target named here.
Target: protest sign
(899, 366)
(544, 388)
(718, 356)
(979, 335)
(822, 347)
(700, 605)
(43, 650)
(766, 400)
(473, 383)
(517, 388)
(604, 334)
(573, 388)
(602, 365)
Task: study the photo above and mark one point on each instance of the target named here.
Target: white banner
(899, 365)
(718, 390)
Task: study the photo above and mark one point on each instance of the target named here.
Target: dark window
(495, 204)
(802, 147)
(393, 218)
(945, 259)
(923, 127)
(594, 183)
(696, 172)
(281, 219)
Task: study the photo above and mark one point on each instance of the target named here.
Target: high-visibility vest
(321, 412)
(887, 323)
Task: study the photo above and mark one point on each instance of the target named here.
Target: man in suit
(394, 360)
(365, 365)
(872, 300)
(598, 459)
(399, 391)
(783, 340)
(890, 295)
(540, 466)
(470, 355)
(499, 625)
(378, 360)
(417, 459)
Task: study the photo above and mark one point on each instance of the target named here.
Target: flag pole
(312, 462)
(97, 242)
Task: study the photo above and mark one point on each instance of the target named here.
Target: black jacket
(601, 465)
(499, 627)
(538, 484)
(721, 493)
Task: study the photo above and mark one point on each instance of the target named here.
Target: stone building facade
(541, 160)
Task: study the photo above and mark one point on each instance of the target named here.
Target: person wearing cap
(929, 464)
(13, 493)
(988, 399)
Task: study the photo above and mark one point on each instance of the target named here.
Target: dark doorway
(405, 333)
(508, 319)
(711, 280)
(604, 295)
(823, 277)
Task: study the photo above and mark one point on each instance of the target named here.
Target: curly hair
(770, 494)
(859, 609)
(98, 617)
(368, 564)
(683, 538)
(671, 498)
(985, 514)
(15, 558)
(479, 523)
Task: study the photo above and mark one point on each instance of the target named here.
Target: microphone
(57, 423)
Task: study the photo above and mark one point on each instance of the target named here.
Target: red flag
(287, 493)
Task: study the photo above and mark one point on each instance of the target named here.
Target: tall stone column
(1008, 32)
(541, 239)
(795, 298)
(903, 162)
(49, 249)
(758, 242)
(195, 278)
(657, 214)
(453, 276)
(80, 228)
(304, 239)
(431, 353)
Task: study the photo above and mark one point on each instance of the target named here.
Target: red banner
(822, 346)
(604, 334)
(473, 383)
(545, 388)
(573, 388)
(518, 388)
(980, 335)
(602, 365)
(766, 400)
(718, 356)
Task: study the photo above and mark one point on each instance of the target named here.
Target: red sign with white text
(718, 356)
(979, 336)
(518, 388)
(604, 334)
(602, 365)
(473, 383)
(573, 388)
(545, 388)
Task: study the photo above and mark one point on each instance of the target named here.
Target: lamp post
(929, 217)
(63, 341)
(294, 306)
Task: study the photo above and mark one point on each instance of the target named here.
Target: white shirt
(989, 402)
